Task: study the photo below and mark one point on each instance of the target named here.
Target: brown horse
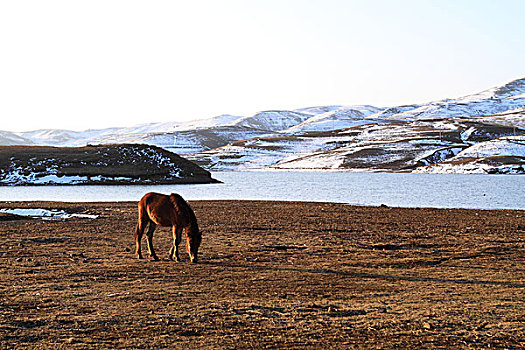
(163, 210)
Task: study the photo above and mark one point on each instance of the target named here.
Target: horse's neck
(194, 227)
(185, 209)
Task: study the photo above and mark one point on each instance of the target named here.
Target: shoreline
(31, 203)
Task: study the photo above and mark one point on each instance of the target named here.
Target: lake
(392, 189)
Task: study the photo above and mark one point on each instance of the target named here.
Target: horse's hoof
(154, 258)
(140, 257)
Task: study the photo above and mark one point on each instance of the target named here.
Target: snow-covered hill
(8, 138)
(275, 121)
(340, 118)
(502, 155)
(361, 137)
(107, 164)
(387, 146)
(401, 138)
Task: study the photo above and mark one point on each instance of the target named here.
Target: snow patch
(474, 167)
(503, 146)
(46, 214)
(16, 177)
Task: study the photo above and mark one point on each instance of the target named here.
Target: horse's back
(167, 210)
(151, 197)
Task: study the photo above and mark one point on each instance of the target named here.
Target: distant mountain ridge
(361, 138)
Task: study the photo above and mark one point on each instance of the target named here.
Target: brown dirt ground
(272, 275)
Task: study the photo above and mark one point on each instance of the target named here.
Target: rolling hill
(430, 137)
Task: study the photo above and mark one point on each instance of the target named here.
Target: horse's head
(194, 241)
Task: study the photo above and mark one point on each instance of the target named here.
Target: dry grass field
(271, 275)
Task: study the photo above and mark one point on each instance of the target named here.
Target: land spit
(125, 164)
(272, 275)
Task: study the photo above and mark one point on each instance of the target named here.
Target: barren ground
(271, 275)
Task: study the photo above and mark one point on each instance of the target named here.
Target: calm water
(400, 190)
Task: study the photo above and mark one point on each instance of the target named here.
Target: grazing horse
(167, 210)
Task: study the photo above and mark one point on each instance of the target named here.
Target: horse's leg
(177, 236)
(139, 231)
(149, 236)
(188, 248)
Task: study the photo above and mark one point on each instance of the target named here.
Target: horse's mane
(184, 208)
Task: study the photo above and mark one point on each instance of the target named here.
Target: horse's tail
(142, 219)
(141, 225)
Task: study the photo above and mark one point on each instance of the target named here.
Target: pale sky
(94, 64)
